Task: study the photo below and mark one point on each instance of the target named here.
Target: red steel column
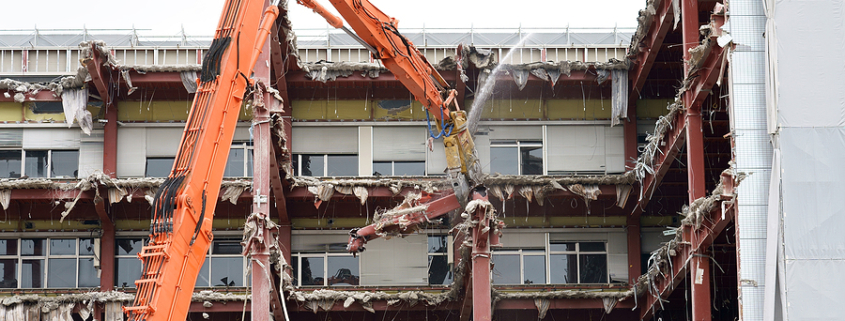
(481, 288)
(700, 265)
(260, 253)
(630, 136)
(110, 141)
(634, 248)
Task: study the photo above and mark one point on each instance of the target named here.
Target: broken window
(159, 166)
(51, 163)
(578, 262)
(10, 163)
(127, 266)
(224, 266)
(439, 267)
(68, 263)
(519, 266)
(239, 163)
(396, 168)
(325, 165)
(516, 157)
(326, 269)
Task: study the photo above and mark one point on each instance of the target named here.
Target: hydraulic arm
(378, 32)
(180, 231)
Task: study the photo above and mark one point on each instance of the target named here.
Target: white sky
(165, 17)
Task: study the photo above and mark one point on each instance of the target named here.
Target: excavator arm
(180, 230)
(378, 32)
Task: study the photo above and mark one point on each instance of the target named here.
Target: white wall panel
(163, 142)
(51, 138)
(324, 140)
(131, 151)
(398, 261)
(576, 148)
(399, 143)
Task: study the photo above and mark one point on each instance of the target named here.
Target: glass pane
(563, 268)
(10, 163)
(506, 269)
(312, 165)
(227, 271)
(62, 247)
(534, 267)
(343, 165)
(591, 246)
(439, 271)
(128, 246)
(437, 244)
(235, 163)
(594, 268)
(35, 163)
(294, 162)
(312, 270)
(294, 265)
(33, 247)
(9, 270)
(127, 270)
(382, 168)
(409, 168)
(65, 163)
(62, 273)
(532, 160)
(249, 163)
(86, 246)
(8, 247)
(227, 247)
(159, 167)
(503, 160)
(33, 274)
(87, 273)
(202, 278)
(343, 270)
(567, 246)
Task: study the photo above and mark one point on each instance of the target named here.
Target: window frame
(49, 151)
(522, 254)
(45, 257)
(144, 241)
(298, 169)
(519, 144)
(247, 148)
(210, 255)
(449, 244)
(393, 167)
(325, 256)
(577, 254)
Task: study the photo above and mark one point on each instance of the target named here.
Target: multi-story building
(612, 158)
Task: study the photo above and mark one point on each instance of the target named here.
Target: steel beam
(262, 283)
(651, 44)
(107, 241)
(694, 241)
(110, 141)
(97, 72)
(480, 258)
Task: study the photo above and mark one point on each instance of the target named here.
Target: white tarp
(619, 94)
(810, 76)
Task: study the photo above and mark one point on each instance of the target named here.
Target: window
(159, 166)
(325, 165)
(40, 163)
(127, 266)
(439, 268)
(240, 161)
(11, 165)
(325, 269)
(224, 266)
(396, 168)
(515, 157)
(578, 262)
(521, 266)
(51, 263)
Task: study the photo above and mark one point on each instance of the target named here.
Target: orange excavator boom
(180, 230)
